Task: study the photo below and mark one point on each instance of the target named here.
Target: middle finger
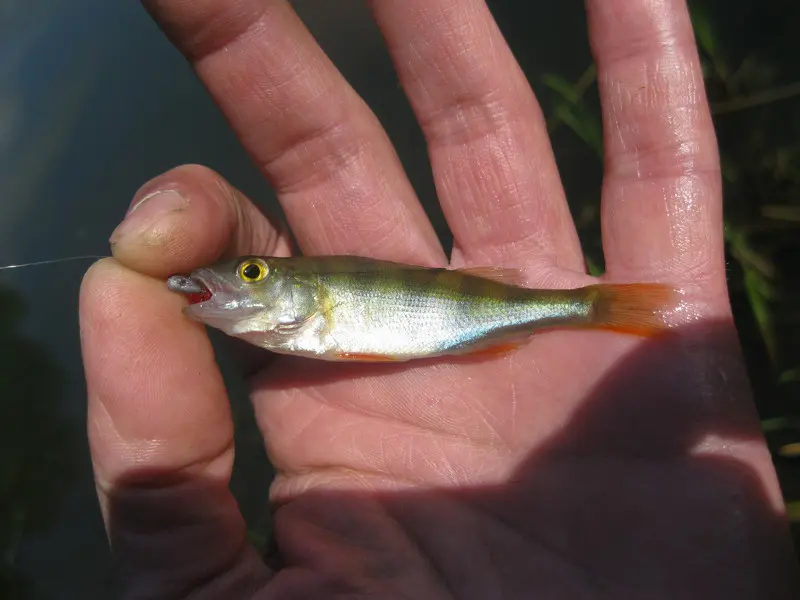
(335, 171)
(491, 155)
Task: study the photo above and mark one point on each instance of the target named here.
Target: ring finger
(492, 160)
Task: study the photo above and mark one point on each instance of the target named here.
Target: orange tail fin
(633, 308)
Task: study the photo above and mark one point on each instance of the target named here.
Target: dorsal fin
(498, 274)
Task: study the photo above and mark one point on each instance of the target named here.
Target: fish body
(360, 309)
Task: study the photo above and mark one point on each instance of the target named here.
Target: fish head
(244, 295)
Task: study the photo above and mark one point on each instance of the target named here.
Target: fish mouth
(212, 299)
(197, 288)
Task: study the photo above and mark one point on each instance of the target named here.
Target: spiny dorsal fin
(499, 274)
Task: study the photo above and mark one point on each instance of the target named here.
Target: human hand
(585, 464)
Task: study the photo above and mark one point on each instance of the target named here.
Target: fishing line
(51, 262)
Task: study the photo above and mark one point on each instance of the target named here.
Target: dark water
(93, 103)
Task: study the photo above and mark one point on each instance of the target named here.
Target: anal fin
(357, 357)
(499, 349)
(497, 344)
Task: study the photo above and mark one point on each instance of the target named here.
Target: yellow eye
(252, 270)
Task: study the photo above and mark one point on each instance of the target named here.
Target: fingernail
(146, 211)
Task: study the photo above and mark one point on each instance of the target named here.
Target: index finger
(336, 174)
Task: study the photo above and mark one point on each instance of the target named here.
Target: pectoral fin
(293, 326)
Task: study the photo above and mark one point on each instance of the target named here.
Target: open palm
(583, 465)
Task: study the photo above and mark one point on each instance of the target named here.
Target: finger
(337, 176)
(188, 217)
(161, 438)
(493, 164)
(661, 196)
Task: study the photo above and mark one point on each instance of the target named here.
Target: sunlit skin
(584, 464)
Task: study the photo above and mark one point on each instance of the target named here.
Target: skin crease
(583, 465)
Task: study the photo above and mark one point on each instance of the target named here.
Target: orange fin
(498, 274)
(355, 357)
(496, 350)
(633, 308)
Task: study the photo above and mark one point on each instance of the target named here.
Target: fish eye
(252, 270)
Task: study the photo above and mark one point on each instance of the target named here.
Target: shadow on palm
(640, 492)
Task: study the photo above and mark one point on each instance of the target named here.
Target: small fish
(351, 308)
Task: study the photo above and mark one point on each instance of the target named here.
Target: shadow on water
(36, 466)
(620, 502)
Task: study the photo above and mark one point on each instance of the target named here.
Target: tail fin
(633, 308)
